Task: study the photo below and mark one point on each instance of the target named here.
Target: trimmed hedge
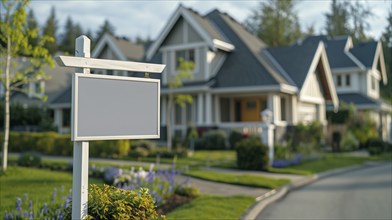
(252, 154)
(212, 140)
(52, 143)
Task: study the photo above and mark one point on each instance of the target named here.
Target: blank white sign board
(114, 107)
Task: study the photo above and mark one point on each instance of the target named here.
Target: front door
(251, 108)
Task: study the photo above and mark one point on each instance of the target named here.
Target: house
(236, 76)
(358, 69)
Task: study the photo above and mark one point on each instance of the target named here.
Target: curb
(272, 196)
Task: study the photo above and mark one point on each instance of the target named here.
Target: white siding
(312, 87)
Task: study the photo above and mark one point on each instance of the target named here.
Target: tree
(359, 13)
(275, 22)
(106, 27)
(386, 38)
(50, 30)
(184, 70)
(32, 25)
(16, 34)
(71, 32)
(337, 21)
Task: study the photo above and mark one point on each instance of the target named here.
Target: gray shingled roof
(365, 52)
(358, 99)
(64, 98)
(132, 51)
(335, 50)
(295, 60)
(242, 67)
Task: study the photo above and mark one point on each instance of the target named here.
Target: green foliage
(252, 154)
(376, 146)
(363, 128)
(50, 30)
(281, 152)
(29, 159)
(110, 202)
(337, 20)
(51, 143)
(212, 140)
(235, 137)
(187, 191)
(349, 142)
(71, 32)
(270, 26)
(386, 38)
(308, 135)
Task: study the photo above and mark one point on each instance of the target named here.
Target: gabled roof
(299, 61)
(123, 49)
(342, 53)
(364, 102)
(209, 32)
(244, 66)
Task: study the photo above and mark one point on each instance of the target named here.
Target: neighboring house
(109, 47)
(236, 76)
(358, 69)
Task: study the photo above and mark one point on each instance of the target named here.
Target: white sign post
(107, 108)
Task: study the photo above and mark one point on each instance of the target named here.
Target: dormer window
(188, 55)
(348, 80)
(339, 80)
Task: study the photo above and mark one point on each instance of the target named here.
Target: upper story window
(348, 80)
(188, 55)
(36, 89)
(339, 80)
(283, 109)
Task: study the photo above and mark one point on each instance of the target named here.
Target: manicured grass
(213, 207)
(329, 162)
(237, 179)
(37, 183)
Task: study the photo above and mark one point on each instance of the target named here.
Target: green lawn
(329, 162)
(213, 207)
(237, 179)
(37, 183)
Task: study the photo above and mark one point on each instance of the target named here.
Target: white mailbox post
(107, 108)
(267, 135)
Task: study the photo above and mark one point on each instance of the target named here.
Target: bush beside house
(252, 154)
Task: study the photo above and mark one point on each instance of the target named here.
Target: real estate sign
(114, 107)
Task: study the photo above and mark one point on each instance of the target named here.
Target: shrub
(252, 154)
(29, 159)
(375, 146)
(235, 137)
(110, 202)
(187, 191)
(109, 149)
(212, 140)
(281, 152)
(349, 142)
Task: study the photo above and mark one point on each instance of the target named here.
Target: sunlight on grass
(238, 179)
(213, 207)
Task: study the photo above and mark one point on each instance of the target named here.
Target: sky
(147, 18)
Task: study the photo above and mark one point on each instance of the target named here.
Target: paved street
(361, 194)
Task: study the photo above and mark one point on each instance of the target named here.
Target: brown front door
(250, 109)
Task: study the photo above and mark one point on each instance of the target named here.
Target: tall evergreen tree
(359, 13)
(386, 38)
(275, 22)
(50, 30)
(106, 27)
(71, 32)
(32, 25)
(337, 20)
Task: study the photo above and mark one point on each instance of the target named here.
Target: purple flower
(18, 204)
(31, 216)
(54, 195)
(30, 204)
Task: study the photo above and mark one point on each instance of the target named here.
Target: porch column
(200, 109)
(217, 109)
(273, 105)
(163, 110)
(209, 112)
(58, 119)
(294, 108)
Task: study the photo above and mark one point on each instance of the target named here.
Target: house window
(339, 80)
(283, 109)
(348, 80)
(178, 115)
(188, 55)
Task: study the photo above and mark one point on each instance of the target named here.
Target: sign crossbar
(84, 62)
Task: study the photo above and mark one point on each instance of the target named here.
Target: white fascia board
(107, 39)
(355, 60)
(247, 89)
(379, 55)
(223, 45)
(100, 45)
(184, 89)
(288, 88)
(311, 99)
(313, 65)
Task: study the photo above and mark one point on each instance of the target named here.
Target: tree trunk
(168, 121)
(7, 106)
